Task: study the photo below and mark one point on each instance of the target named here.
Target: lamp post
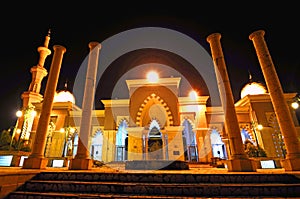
(16, 130)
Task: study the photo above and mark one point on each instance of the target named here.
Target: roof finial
(49, 32)
(47, 38)
(66, 85)
(250, 76)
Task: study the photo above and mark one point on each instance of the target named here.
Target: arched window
(121, 142)
(75, 147)
(189, 142)
(96, 146)
(218, 146)
(245, 136)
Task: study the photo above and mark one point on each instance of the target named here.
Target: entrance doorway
(155, 144)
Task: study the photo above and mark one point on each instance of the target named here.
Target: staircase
(88, 185)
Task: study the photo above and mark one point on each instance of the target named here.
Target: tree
(5, 139)
(254, 151)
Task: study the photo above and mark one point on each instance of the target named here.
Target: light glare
(295, 105)
(19, 113)
(152, 76)
(193, 95)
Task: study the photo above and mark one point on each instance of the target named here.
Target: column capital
(94, 44)
(213, 36)
(60, 48)
(257, 33)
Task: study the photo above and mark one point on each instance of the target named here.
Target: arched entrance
(155, 142)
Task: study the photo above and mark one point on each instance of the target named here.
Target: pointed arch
(189, 141)
(151, 105)
(247, 133)
(122, 122)
(217, 145)
(121, 141)
(189, 120)
(96, 145)
(155, 142)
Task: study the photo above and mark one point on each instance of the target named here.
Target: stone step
(80, 184)
(157, 189)
(169, 177)
(35, 195)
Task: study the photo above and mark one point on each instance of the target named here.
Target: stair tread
(163, 183)
(102, 195)
(127, 195)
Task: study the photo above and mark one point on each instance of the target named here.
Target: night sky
(73, 26)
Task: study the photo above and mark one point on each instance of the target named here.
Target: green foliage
(25, 149)
(6, 142)
(254, 151)
(5, 139)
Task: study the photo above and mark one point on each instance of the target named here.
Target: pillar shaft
(227, 100)
(33, 161)
(82, 158)
(284, 117)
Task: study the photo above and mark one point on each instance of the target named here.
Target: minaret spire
(38, 73)
(250, 76)
(43, 50)
(47, 38)
(66, 85)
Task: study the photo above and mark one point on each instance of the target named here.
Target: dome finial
(49, 32)
(250, 76)
(66, 85)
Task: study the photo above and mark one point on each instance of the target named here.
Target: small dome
(64, 96)
(253, 88)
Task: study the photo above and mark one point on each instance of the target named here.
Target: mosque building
(154, 123)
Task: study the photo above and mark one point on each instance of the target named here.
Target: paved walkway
(193, 169)
(12, 177)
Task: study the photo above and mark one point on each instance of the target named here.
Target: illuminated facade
(154, 123)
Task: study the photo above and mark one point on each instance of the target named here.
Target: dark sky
(23, 29)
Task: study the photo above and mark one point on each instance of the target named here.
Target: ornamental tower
(38, 73)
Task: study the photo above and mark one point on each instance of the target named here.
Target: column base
(291, 164)
(81, 164)
(240, 165)
(35, 163)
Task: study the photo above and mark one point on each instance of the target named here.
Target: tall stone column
(239, 160)
(283, 114)
(36, 160)
(82, 159)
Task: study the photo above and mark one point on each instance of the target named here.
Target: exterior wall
(135, 144)
(204, 146)
(175, 144)
(108, 148)
(141, 94)
(174, 110)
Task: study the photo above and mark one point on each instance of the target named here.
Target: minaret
(37, 160)
(26, 121)
(38, 73)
